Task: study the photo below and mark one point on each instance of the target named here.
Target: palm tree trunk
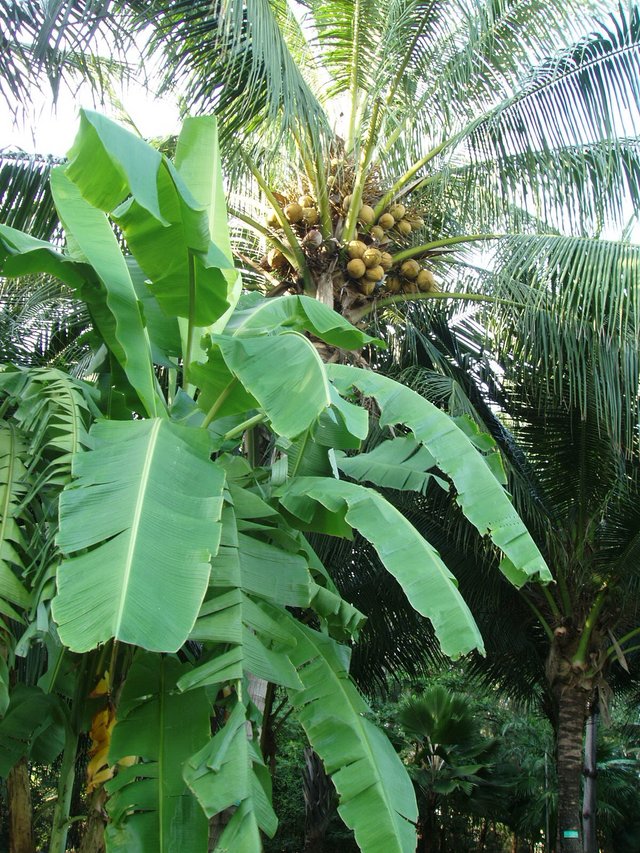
(590, 771)
(572, 712)
(20, 811)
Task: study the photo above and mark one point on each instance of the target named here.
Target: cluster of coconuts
(367, 265)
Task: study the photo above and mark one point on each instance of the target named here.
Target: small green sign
(570, 833)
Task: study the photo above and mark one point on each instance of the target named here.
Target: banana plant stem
(215, 408)
(250, 422)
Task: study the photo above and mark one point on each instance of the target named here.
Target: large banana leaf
(34, 726)
(97, 244)
(166, 228)
(479, 494)
(245, 567)
(150, 807)
(427, 582)
(141, 518)
(229, 771)
(401, 463)
(301, 313)
(376, 796)
(198, 163)
(257, 363)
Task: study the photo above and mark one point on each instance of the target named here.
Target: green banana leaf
(245, 567)
(97, 245)
(166, 229)
(146, 503)
(150, 806)
(229, 771)
(401, 463)
(198, 162)
(258, 364)
(377, 799)
(33, 726)
(479, 494)
(416, 565)
(300, 313)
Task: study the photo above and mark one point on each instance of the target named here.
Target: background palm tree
(498, 125)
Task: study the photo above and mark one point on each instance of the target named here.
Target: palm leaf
(144, 502)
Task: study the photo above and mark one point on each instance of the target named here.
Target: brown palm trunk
(572, 712)
(20, 811)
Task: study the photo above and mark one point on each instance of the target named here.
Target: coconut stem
(300, 261)
(286, 251)
(361, 176)
(438, 244)
(353, 82)
(354, 316)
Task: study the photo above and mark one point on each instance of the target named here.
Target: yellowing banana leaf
(479, 494)
(150, 806)
(416, 565)
(141, 518)
(377, 799)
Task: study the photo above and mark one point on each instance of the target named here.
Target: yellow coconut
(374, 274)
(306, 201)
(356, 248)
(346, 201)
(366, 215)
(386, 261)
(410, 269)
(356, 268)
(367, 287)
(293, 212)
(426, 281)
(276, 259)
(310, 215)
(397, 211)
(386, 221)
(393, 284)
(331, 180)
(372, 257)
(404, 227)
(377, 233)
(410, 287)
(335, 162)
(272, 219)
(417, 222)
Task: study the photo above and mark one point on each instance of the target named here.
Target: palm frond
(231, 57)
(25, 196)
(585, 93)
(50, 40)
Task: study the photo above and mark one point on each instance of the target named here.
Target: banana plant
(154, 515)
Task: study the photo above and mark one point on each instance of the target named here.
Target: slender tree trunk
(20, 811)
(572, 712)
(93, 835)
(590, 771)
(60, 823)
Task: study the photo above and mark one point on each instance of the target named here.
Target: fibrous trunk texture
(572, 711)
(20, 811)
